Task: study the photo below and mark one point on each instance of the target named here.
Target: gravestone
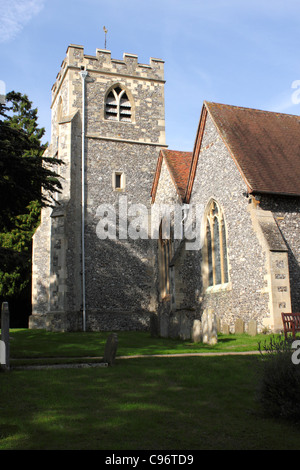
(252, 328)
(164, 325)
(209, 327)
(185, 327)
(239, 326)
(225, 329)
(111, 349)
(196, 331)
(5, 346)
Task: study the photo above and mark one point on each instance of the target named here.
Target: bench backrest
(291, 319)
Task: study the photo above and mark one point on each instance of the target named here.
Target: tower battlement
(104, 64)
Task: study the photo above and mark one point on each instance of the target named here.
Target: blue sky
(238, 52)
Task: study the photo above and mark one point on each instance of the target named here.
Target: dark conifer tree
(27, 182)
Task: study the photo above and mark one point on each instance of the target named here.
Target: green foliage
(27, 181)
(279, 386)
(24, 171)
(15, 252)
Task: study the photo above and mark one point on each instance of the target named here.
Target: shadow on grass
(147, 404)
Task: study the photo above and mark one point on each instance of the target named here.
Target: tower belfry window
(117, 105)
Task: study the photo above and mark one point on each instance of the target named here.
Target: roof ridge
(247, 108)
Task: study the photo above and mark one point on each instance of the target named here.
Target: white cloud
(15, 14)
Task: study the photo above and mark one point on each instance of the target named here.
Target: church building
(245, 172)
(108, 127)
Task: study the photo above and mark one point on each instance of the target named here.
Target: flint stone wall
(243, 296)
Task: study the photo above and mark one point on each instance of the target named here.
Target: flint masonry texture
(120, 292)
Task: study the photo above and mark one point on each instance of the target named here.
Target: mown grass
(141, 403)
(40, 344)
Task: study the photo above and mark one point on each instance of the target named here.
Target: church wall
(41, 265)
(286, 212)
(119, 273)
(166, 194)
(243, 296)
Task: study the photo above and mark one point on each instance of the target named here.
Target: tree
(27, 182)
(24, 171)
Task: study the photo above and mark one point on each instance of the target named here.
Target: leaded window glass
(216, 246)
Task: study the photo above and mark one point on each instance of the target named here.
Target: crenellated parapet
(104, 64)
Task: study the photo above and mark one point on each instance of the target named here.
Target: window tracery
(216, 246)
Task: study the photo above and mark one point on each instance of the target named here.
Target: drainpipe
(83, 74)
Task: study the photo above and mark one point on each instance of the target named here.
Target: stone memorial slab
(209, 327)
(225, 329)
(239, 326)
(252, 328)
(196, 331)
(164, 325)
(185, 327)
(110, 349)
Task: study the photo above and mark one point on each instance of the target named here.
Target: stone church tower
(108, 126)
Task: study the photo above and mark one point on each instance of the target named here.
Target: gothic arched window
(165, 256)
(216, 246)
(117, 105)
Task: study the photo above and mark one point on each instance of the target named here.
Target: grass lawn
(150, 403)
(40, 343)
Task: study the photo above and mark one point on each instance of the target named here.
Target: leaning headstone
(239, 326)
(110, 349)
(196, 331)
(5, 346)
(252, 328)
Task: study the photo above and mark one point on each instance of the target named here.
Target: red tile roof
(178, 164)
(264, 145)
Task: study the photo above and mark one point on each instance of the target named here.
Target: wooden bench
(291, 323)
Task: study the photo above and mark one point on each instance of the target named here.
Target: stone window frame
(117, 105)
(215, 265)
(122, 176)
